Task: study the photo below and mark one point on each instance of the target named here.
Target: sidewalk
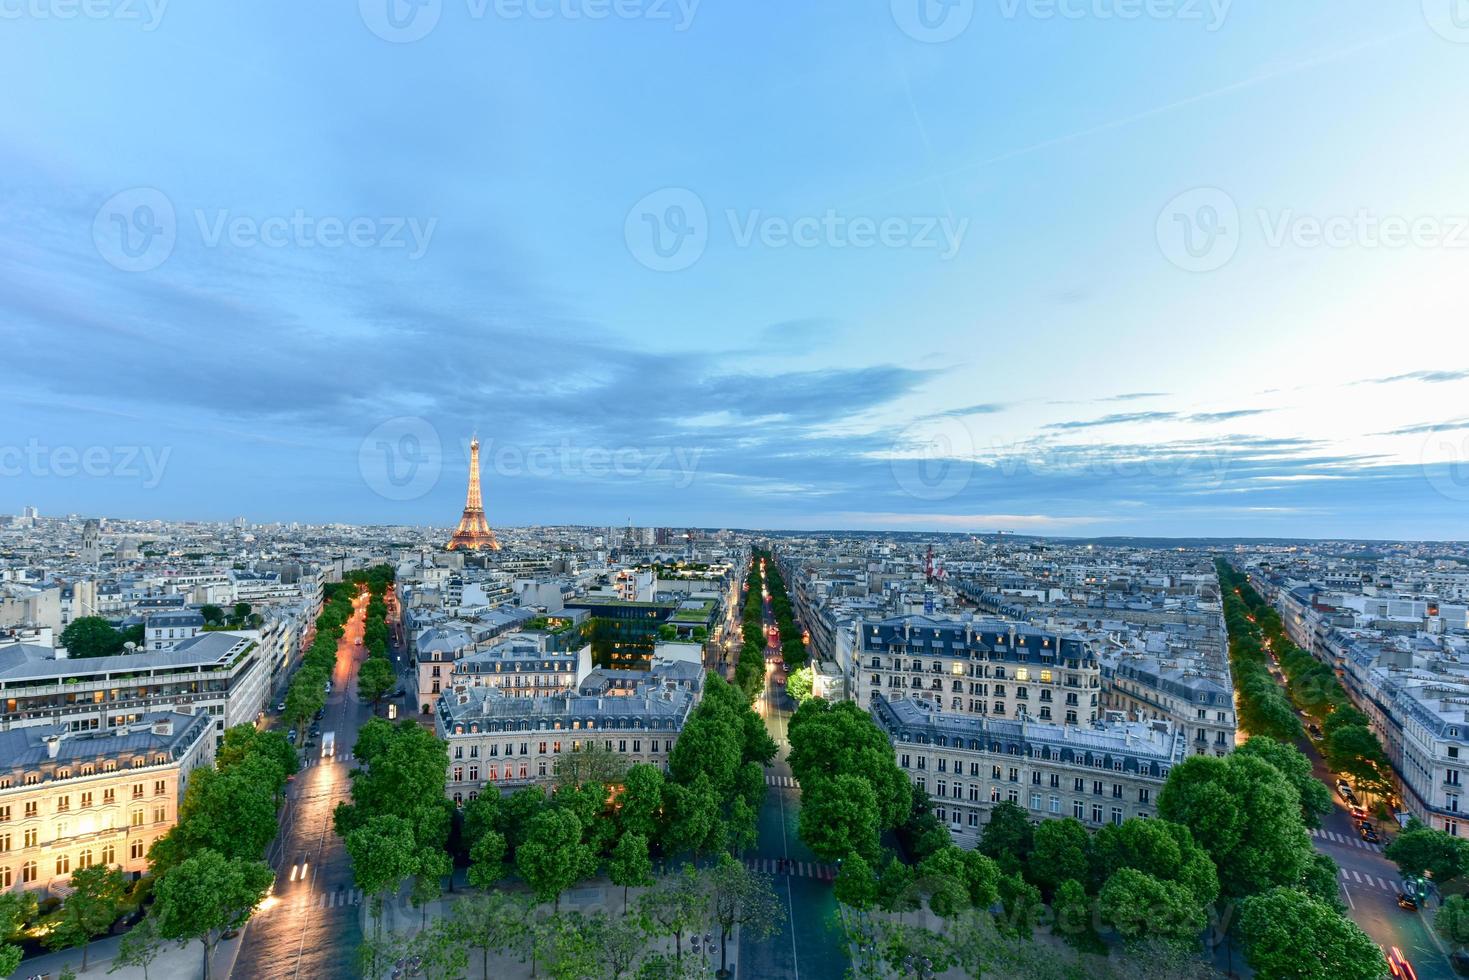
(173, 962)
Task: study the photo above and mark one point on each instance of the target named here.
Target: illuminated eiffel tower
(473, 533)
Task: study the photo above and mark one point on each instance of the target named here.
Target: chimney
(163, 726)
(53, 746)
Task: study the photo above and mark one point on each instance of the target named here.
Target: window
(28, 872)
(63, 864)
(160, 814)
(30, 836)
(135, 850)
(109, 855)
(4, 843)
(136, 819)
(63, 803)
(109, 796)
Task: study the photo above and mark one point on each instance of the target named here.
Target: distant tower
(91, 542)
(473, 533)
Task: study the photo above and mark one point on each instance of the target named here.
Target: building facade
(70, 800)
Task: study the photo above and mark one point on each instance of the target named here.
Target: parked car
(1316, 732)
(1408, 902)
(281, 706)
(291, 736)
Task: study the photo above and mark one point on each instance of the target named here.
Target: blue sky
(1061, 266)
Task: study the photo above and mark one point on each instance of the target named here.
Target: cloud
(1116, 419)
(1425, 427)
(1431, 377)
(1207, 417)
(986, 408)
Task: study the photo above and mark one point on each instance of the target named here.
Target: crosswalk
(1351, 877)
(796, 869)
(297, 901)
(316, 760)
(788, 782)
(1344, 840)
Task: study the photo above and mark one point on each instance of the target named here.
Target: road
(806, 945)
(1370, 884)
(310, 926)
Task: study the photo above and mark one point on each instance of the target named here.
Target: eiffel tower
(473, 533)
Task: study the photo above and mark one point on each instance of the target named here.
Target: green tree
(1008, 837)
(553, 856)
(1245, 814)
(1321, 880)
(693, 817)
(616, 943)
(90, 909)
(245, 740)
(1160, 849)
(676, 904)
(375, 678)
(440, 950)
(1451, 921)
(1354, 750)
(641, 802)
(741, 897)
(856, 884)
(841, 739)
(1432, 851)
(1022, 904)
(90, 636)
(1137, 904)
(839, 816)
(912, 951)
(139, 947)
(593, 763)
(15, 909)
(1072, 911)
(207, 895)
(213, 615)
(1060, 851)
(1289, 935)
(487, 859)
(305, 697)
(630, 864)
(1315, 797)
(383, 855)
(491, 923)
(799, 684)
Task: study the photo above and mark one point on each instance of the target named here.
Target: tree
(693, 817)
(90, 910)
(1008, 837)
(1022, 904)
(487, 859)
(1059, 852)
(630, 864)
(1452, 921)
(1432, 851)
(1138, 904)
(741, 897)
(1072, 910)
(91, 636)
(839, 816)
(616, 944)
(1354, 750)
(676, 904)
(1245, 814)
(15, 909)
(641, 802)
(375, 678)
(912, 951)
(440, 950)
(1288, 935)
(1315, 798)
(799, 684)
(856, 885)
(491, 922)
(213, 615)
(140, 946)
(1321, 880)
(205, 896)
(742, 826)
(383, 854)
(305, 697)
(430, 866)
(245, 740)
(553, 857)
(593, 763)
(1160, 849)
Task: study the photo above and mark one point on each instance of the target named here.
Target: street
(310, 927)
(806, 944)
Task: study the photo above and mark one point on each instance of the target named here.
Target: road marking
(1356, 876)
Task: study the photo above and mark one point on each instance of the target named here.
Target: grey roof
(28, 662)
(26, 747)
(183, 618)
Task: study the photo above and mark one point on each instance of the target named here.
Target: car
(281, 706)
(1398, 964)
(291, 736)
(1368, 834)
(328, 687)
(1316, 732)
(315, 730)
(1408, 902)
(1359, 814)
(319, 713)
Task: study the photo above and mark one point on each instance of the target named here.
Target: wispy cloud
(1207, 417)
(1119, 418)
(1431, 377)
(1424, 427)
